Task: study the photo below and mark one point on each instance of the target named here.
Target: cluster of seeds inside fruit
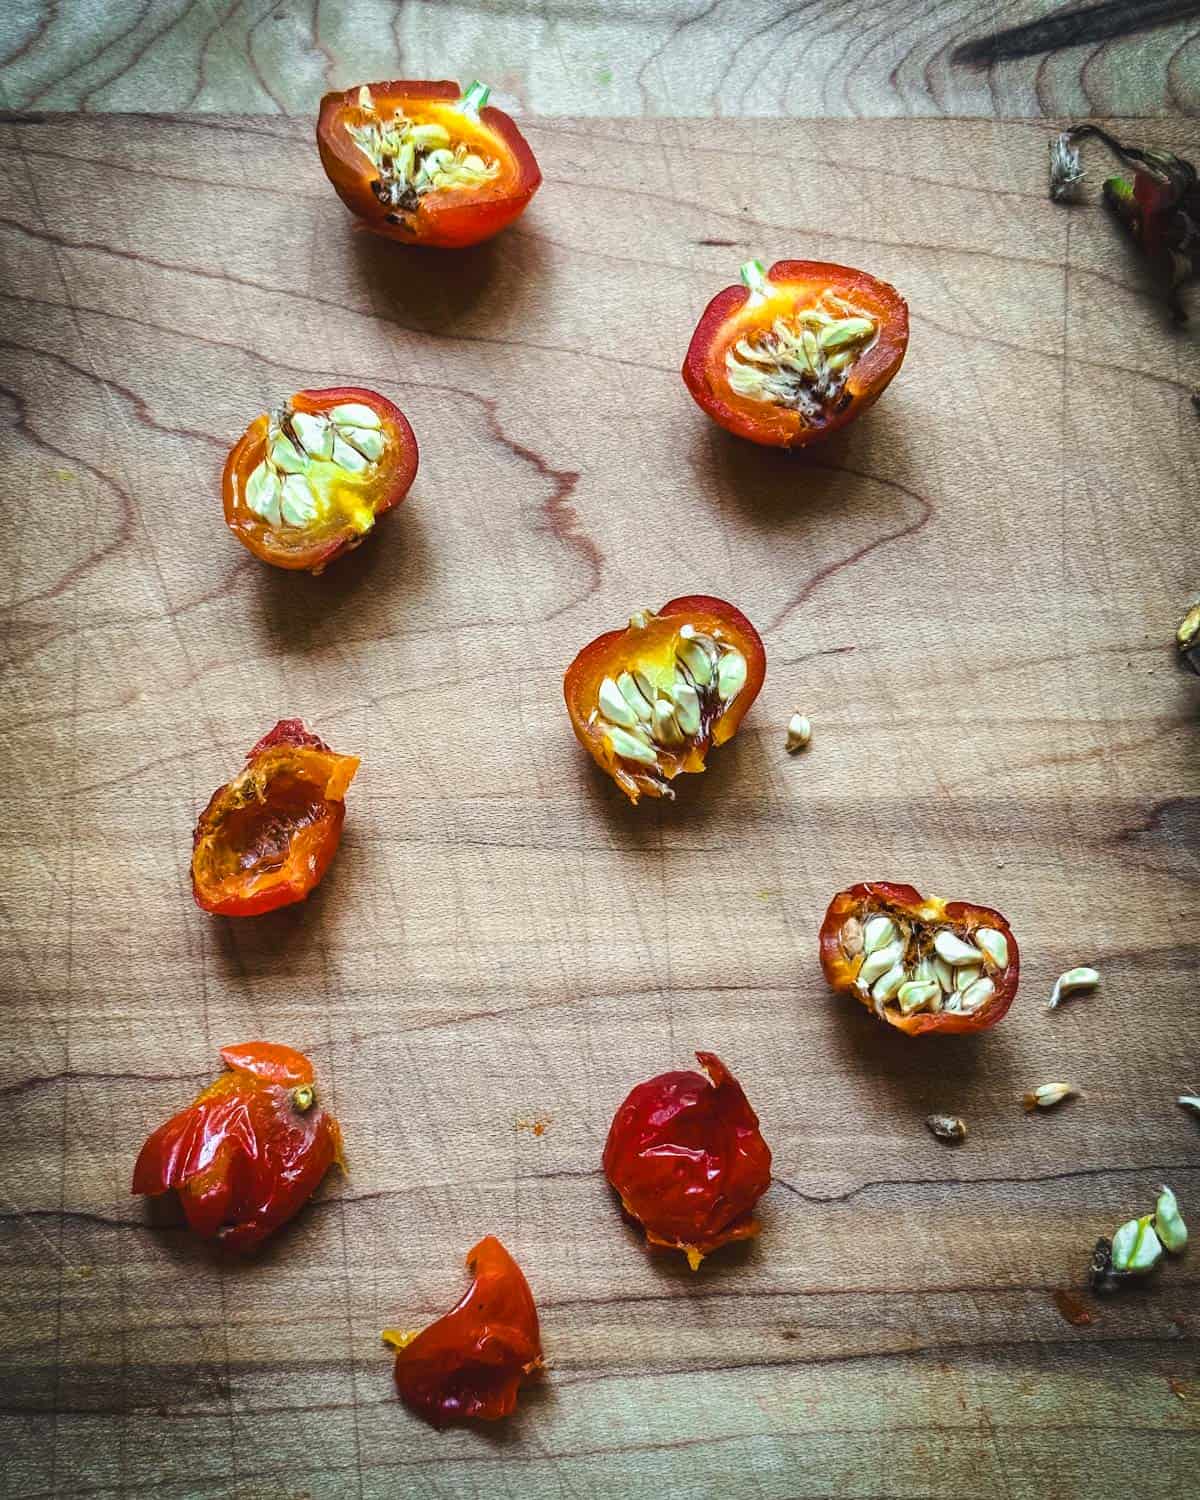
(802, 361)
(349, 439)
(917, 967)
(641, 716)
(413, 158)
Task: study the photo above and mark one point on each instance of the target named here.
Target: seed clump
(803, 360)
(414, 159)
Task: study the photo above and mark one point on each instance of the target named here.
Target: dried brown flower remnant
(1160, 207)
(947, 1127)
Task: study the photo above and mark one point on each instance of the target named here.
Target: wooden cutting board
(972, 595)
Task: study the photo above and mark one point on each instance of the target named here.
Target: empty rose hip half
(919, 963)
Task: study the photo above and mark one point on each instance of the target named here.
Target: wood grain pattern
(971, 593)
(574, 57)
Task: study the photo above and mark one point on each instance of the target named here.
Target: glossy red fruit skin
(248, 1152)
(906, 901)
(469, 1365)
(687, 1158)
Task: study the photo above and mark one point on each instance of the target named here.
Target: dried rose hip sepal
(469, 1364)
(921, 964)
(249, 1151)
(426, 163)
(307, 482)
(267, 837)
(792, 355)
(648, 701)
(686, 1156)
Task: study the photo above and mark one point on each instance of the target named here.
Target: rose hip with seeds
(919, 963)
(426, 163)
(307, 482)
(792, 355)
(647, 702)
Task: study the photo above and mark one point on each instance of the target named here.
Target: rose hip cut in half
(921, 964)
(427, 163)
(646, 702)
(792, 355)
(470, 1363)
(267, 837)
(686, 1156)
(308, 481)
(250, 1149)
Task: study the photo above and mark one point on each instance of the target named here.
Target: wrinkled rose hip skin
(266, 838)
(306, 483)
(470, 1364)
(686, 1156)
(426, 163)
(249, 1151)
(921, 964)
(648, 701)
(793, 355)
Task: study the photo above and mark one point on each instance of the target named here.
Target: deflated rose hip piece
(266, 838)
(921, 964)
(791, 355)
(426, 163)
(686, 1156)
(648, 701)
(471, 1362)
(307, 482)
(249, 1151)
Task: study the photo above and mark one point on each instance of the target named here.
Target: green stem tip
(475, 96)
(754, 277)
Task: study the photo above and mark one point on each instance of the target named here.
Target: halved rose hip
(648, 701)
(788, 357)
(919, 963)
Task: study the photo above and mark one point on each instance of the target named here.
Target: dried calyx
(646, 712)
(918, 966)
(803, 360)
(414, 158)
(306, 450)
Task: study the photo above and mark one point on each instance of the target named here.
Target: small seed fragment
(1070, 982)
(947, 1127)
(994, 944)
(878, 963)
(976, 994)
(1136, 1248)
(852, 937)
(630, 748)
(917, 993)
(731, 675)
(614, 706)
(1168, 1221)
(799, 733)
(879, 930)
(1047, 1095)
(314, 432)
(355, 414)
(954, 951)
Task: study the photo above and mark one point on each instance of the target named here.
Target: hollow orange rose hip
(267, 837)
(425, 162)
(792, 355)
(307, 482)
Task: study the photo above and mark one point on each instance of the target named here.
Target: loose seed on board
(1190, 1101)
(1070, 983)
(1047, 1095)
(799, 733)
(1136, 1248)
(947, 1127)
(1168, 1221)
